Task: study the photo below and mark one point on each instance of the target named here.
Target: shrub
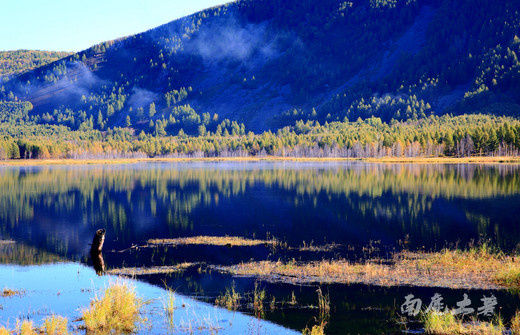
(117, 310)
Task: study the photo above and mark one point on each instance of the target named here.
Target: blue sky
(75, 25)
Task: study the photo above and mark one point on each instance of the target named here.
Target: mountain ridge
(267, 64)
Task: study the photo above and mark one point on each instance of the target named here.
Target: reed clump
(116, 311)
(323, 305)
(230, 299)
(169, 302)
(55, 325)
(515, 323)
(27, 328)
(259, 296)
(169, 307)
(447, 323)
(318, 329)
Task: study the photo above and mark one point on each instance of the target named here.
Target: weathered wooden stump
(97, 242)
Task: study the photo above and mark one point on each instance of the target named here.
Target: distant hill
(266, 64)
(19, 61)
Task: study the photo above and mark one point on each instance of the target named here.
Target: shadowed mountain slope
(267, 64)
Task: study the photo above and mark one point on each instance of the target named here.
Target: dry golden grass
(505, 159)
(476, 268)
(446, 323)
(55, 325)
(31, 162)
(230, 241)
(149, 271)
(515, 323)
(27, 328)
(509, 277)
(429, 160)
(315, 330)
(117, 311)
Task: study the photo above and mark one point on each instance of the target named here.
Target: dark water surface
(52, 212)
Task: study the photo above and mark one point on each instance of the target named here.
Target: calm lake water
(52, 212)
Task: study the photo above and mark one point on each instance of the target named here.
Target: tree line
(446, 136)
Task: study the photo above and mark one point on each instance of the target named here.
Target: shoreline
(385, 160)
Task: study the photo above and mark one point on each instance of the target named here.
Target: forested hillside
(15, 62)
(287, 67)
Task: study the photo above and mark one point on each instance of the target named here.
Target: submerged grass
(259, 296)
(447, 323)
(169, 302)
(7, 292)
(323, 306)
(152, 270)
(318, 248)
(117, 310)
(230, 299)
(169, 307)
(478, 267)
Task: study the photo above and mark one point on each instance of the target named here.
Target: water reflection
(98, 262)
(57, 208)
(96, 254)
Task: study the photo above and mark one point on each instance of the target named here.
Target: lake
(49, 214)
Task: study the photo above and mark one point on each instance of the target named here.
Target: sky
(75, 25)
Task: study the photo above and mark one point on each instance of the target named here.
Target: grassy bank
(419, 160)
(470, 269)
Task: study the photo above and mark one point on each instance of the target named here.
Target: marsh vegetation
(475, 268)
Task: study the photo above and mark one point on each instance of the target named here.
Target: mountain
(265, 64)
